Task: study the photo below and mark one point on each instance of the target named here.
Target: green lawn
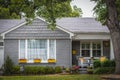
(53, 77)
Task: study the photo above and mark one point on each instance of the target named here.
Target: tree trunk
(114, 27)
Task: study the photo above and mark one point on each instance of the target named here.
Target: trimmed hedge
(16, 70)
(104, 70)
(58, 69)
(41, 70)
(106, 63)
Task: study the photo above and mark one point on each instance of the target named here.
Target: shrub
(96, 64)
(38, 70)
(112, 63)
(28, 69)
(16, 70)
(49, 70)
(58, 69)
(42, 70)
(8, 66)
(106, 63)
(104, 70)
(90, 71)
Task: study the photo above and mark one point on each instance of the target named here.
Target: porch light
(102, 58)
(73, 52)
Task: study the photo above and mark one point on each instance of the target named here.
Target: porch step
(83, 70)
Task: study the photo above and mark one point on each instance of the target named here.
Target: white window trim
(26, 50)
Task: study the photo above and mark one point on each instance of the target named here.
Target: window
(96, 49)
(37, 49)
(1, 43)
(90, 49)
(85, 49)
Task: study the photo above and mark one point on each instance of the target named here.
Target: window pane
(98, 46)
(83, 46)
(43, 49)
(96, 53)
(52, 49)
(37, 49)
(86, 53)
(94, 46)
(22, 49)
(1, 43)
(87, 46)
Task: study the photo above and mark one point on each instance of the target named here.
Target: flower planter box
(37, 60)
(22, 60)
(51, 60)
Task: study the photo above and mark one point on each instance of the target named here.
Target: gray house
(35, 44)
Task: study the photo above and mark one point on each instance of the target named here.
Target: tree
(48, 9)
(8, 66)
(108, 13)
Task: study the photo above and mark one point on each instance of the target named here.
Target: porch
(88, 50)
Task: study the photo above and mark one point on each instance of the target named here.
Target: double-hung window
(37, 49)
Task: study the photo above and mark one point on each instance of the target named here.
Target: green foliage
(16, 70)
(8, 66)
(104, 70)
(106, 63)
(58, 69)
(31, 70)
(48, 9)
(38, 70)
(100, 10)
(90, 70)
(96, 63)
(106, 67)
(49, 70)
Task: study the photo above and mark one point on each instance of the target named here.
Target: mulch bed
(111, 77)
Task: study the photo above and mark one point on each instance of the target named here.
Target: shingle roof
(6, 24)
(75, 25)
(82, 25)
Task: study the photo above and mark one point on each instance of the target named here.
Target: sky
(86, 6)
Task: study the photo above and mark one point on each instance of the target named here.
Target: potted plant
(22, 60)
(51, 60)
(37, 60)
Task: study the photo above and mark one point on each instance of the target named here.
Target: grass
(53, 77)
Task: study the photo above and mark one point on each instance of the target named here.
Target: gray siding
(11, 49)
(63, 53)
(36, 30)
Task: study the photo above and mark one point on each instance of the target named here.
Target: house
(35, 44)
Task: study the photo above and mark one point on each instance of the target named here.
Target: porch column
(111, 50)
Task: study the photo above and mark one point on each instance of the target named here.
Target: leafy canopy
(48, 9)
(100, 10)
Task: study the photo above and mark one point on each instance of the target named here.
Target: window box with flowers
(22, 60)
(51, 60)
(37, 60)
